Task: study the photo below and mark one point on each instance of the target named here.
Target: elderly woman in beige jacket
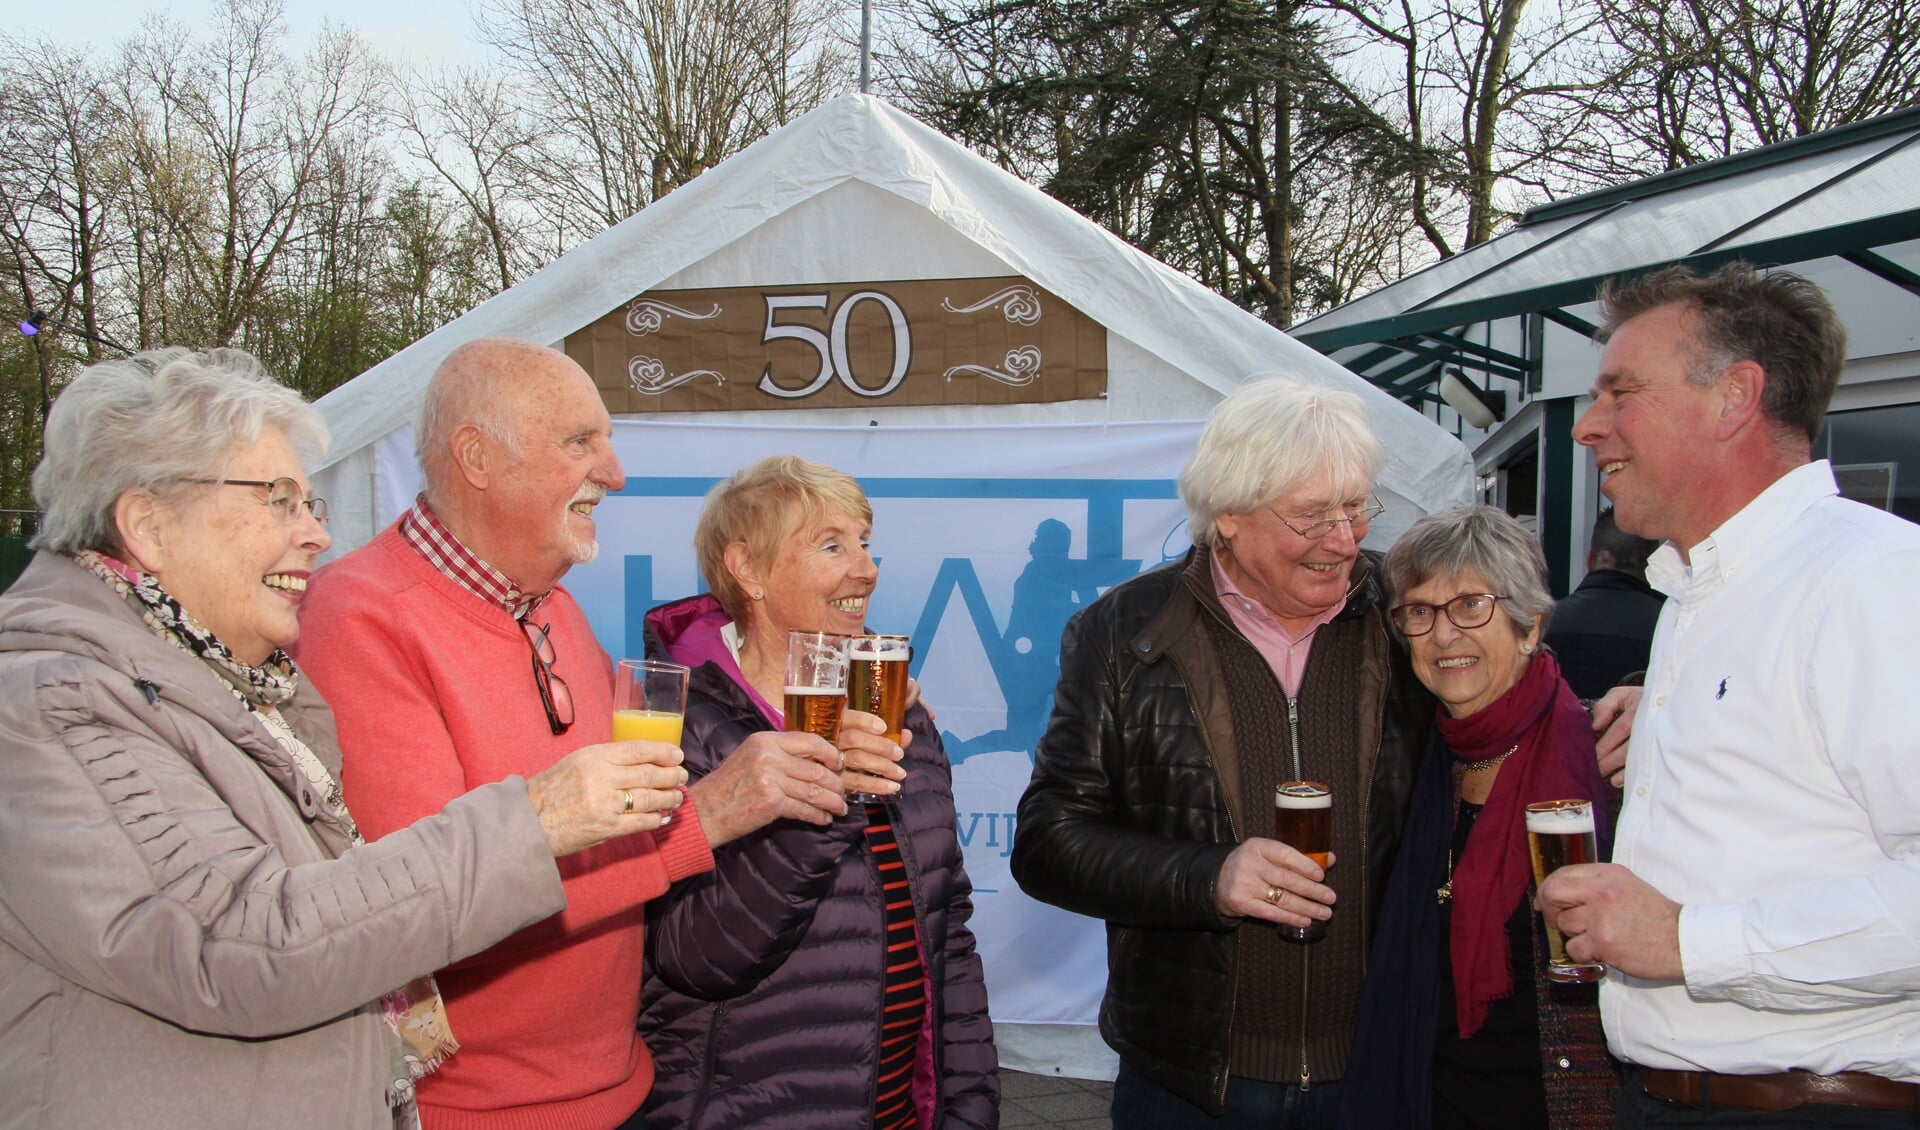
(192, 932)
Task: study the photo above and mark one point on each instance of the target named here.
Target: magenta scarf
(1555, 761)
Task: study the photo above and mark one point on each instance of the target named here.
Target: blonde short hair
(759, 507)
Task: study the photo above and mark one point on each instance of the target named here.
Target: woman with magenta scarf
(1458, 1025)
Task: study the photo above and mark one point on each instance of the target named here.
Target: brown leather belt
(1781, 1091)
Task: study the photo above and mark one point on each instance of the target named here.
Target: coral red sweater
(433, 687)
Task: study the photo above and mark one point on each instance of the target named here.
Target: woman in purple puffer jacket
(774, 995)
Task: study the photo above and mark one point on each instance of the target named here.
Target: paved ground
(1054, 1102)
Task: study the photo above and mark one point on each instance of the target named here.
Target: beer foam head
(809, 691)
(867, 649)
(1568, 821)
(1301, 794)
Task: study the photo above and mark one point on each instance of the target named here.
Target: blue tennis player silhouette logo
(1050, 589)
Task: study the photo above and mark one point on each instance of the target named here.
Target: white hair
(153, 422)
(1271, 437)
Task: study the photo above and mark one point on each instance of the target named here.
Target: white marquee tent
(855, 191)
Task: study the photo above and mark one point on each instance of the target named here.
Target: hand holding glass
(1560, 834)
(877, 685)
(649, 701)
(816, 683)
(1303, 820)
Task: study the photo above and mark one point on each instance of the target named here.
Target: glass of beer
(877, 684)
(649, 700)
(1560, 833)
(816, 683)
(1303, 820)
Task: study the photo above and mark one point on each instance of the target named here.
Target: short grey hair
(152, 422)
(1272, 436)
(1485, 539)
(1780, 320)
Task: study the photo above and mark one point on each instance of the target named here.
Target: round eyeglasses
(1354, 515)
(1468, 610)
(284, 497)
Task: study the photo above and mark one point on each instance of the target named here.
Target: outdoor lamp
(1480, 407)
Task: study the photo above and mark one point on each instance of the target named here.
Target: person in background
(1458, 1026)
(1186, 695)
(193, 932)
(1602, 631)
(1761, 918)
(457, 657)
(818, 977)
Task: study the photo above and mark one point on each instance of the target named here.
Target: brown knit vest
(1294, 1005)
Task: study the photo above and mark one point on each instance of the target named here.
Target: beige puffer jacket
(186, 939)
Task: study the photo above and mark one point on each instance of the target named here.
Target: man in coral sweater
(452, 657)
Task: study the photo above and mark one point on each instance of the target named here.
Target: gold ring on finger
(1276, 896)
(626, 802)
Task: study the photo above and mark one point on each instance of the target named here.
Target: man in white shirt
(1761, 918)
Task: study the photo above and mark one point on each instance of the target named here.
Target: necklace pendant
(1444, 892)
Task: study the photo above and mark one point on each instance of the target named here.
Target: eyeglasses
(284, 497)
(1356, 517)
(1468, 610)
(555, 698)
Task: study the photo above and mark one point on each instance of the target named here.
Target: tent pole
(866, 46)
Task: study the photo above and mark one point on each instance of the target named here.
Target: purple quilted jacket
(762, 1000)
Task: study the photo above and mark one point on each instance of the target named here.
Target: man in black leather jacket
(1186, 695)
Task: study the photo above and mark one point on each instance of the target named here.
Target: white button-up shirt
(1773, 790)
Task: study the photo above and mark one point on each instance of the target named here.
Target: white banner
(988, 539)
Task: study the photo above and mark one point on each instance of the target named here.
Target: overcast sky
(429, 31)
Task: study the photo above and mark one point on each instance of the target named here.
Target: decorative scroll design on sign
(647, 376)
(1019, 303)
(1023, 365)
(1002, 339)
(646, 315)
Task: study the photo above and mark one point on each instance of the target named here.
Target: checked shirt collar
(431, 538)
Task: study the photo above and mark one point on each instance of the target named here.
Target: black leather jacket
(1128, 817)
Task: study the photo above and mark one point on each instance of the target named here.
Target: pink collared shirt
(1285, 652)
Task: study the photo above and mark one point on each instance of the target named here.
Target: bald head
(471, 388)
(516, 447)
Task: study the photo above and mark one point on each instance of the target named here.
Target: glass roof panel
(1670, 224)
(1887, 187)
(1397, 296)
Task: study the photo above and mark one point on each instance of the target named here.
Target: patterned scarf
(414, 1012)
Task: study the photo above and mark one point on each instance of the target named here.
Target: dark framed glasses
(1468, 610)
(555, 698)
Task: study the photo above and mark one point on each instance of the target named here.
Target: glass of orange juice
(649, 701)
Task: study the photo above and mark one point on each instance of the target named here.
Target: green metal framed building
(1505, 329)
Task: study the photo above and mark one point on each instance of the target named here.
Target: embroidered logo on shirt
(1722, 692)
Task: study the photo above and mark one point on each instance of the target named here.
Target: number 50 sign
(946, 341)
(832, 345)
